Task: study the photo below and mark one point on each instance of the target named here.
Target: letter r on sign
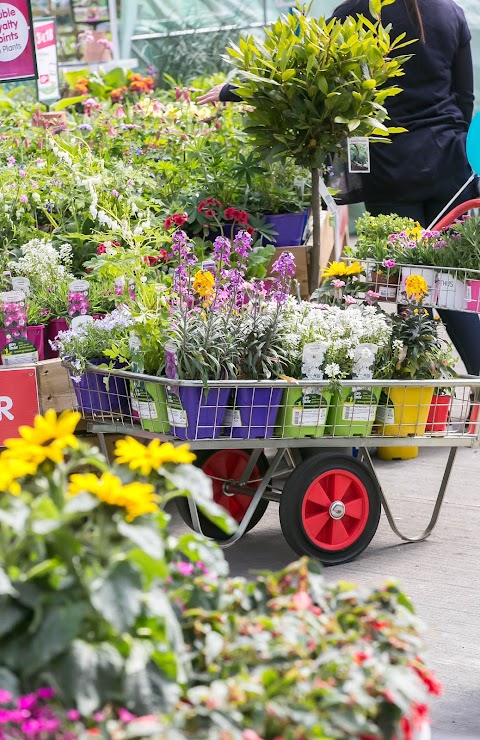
(6, 404)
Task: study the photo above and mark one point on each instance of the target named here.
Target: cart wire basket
(285, 442)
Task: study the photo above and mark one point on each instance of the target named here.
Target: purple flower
(23, 198)
(22, 173)
(11, 160)
(85, 127)
(284, 267)
(389, 264)
(222, 250)
(115, 193)
(242, 244)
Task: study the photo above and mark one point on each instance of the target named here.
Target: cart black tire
(309, 523)
(233, 462)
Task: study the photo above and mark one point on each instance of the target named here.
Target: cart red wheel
(222, 466)
(330, 508)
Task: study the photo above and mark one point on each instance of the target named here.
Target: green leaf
(117, 596)
(9, 682)
(147, 690)
(89, 676)
(82, 503)
(6, 587)
(11, 615)
(59, 625)
(16, 516)
(68, 102)
(146, 538)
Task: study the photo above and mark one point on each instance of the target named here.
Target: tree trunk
(314, 277)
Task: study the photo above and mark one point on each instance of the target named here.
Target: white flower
(332, 370)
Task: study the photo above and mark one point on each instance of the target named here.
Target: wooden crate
(54, 387)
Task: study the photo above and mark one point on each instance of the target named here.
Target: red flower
(150, 260)
(211, 213)
(213, 202)
(101, 249)
(163, 255)
(406, 728)
(242, 217)
(202, 206)
(231, 214)
(179, 218)
(250, 230)
(168, 223)
(114, 243)
(433, 685)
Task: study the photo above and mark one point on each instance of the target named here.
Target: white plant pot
(450, 292)
(429, 274)
(423, 733)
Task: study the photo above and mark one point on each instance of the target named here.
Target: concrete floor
(441, 575)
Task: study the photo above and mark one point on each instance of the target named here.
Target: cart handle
(458, 211)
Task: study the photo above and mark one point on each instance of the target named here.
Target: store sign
(17, 50)
(90, 12)
(47, 64)
(18, 400)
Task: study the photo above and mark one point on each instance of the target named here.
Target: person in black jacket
(420, 171)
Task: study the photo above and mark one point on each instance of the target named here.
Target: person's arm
(462, 80)
(225, 93)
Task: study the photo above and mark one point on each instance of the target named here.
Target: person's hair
(416, 17)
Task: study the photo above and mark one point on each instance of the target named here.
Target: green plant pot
(150, 402)
(303, 414)
(353, 412)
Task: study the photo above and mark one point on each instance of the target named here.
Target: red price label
(18, 400)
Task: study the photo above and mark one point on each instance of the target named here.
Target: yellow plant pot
(406, 412)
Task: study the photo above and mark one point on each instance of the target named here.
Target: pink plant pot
(35, 335)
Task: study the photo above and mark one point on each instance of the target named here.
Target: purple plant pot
(54, 327)
(94, 397)
(258, 412)
(204, 411)
(35, 335)
(290, 227)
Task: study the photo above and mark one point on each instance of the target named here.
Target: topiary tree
(311, 84)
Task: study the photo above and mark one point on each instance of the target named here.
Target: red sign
(18, 400)
(17, 50)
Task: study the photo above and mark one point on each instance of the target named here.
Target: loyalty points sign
(17, 51)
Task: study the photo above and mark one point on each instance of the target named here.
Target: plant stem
(314, 278)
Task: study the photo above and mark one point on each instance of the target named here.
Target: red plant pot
(438, 415)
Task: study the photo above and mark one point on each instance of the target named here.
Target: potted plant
(373, 245)
(416, 353)
(312, 84)
(103, 343)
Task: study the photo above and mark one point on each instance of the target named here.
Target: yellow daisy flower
(145, 459)
(136, 498)
(416, 287)
(11, 471)
(339, 269)
(46, 440)
(204, 283)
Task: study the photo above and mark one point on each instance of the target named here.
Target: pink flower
(302, 600)
(349, 300)
(338, 283)
(23, 199)
(251, 735)
(45, 692)
(23, 173)
(115, 193)
(73, 715)
(119, 112)
(11, 160)
(186, 569)
(5, 696)
(125, 716)
(27, 702)
(389, 264)
(98, 717)
(130, 182)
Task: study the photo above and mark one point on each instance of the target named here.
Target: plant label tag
(328, 198)
(358, 148)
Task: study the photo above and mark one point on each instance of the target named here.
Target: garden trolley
(284, 442)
